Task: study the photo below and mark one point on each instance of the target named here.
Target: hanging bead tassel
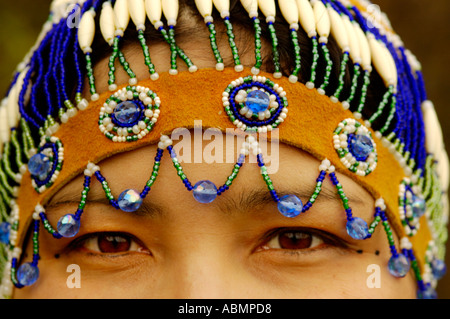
(308, 23)
(251, 6)
(268, 8)
(339, 32)
(86, 33)
(323, 27)
(205, 8)
(290, 12)
(137, 13)
(223, 6)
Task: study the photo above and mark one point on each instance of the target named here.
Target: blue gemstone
(68, 226)
(438, 268)
(257, 101)
(205, 191)
(5, 228)
(419, 206)
(360, 146)
(39, 166)
(428, 293)
(399, 265)
(129, 201)
(290, 206)
(127, 113)
(27, 274)
(357, 228)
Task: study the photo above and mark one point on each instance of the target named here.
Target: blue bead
(428, 293)
(39, 166)
(68, 226)
(5, 229)
(127, 113)
(438, 268)
(419, 206)
(290, 206)
(27, 274)
(357, 228)
(257, 101)
(205, 191)
(129, 201)
(399, 265)
(360, 146)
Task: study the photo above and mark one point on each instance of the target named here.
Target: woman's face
(238, 246)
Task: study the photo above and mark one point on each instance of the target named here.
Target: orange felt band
(186, 97)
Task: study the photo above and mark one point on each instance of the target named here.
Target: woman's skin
(239, 246)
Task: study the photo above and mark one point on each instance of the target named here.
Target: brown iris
(294, 240)
(110, 243)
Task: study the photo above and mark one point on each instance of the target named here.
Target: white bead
(223, 6)
(154, 76)
(173, 71)
(133, 81)
(95, 97)
(220, 66)
(366, 56)
(251, 6)
(83, 105)
(268, 8)
(204, 7)
(380, 60)
(193, 69)
(239, 68)
(170, 10)
(289, 10)
(86, 30)
(137, 12)
(321, 91)
(154, 11)
(338, 29)
(306, 15)
(277, 75)
(121, 14)
(334, 99)
(310, 85)
(107, 25)
(64, 118)
(293, 78)
(255, 71)
(209, 19)
(323, 24)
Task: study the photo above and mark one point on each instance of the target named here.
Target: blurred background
(424, 27)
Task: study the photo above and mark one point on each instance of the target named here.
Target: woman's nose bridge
(201, 269)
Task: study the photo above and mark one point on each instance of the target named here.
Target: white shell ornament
(86, 31)
(154, 10)
(107, 25)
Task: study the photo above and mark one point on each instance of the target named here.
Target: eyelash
(326, 238)
(80, 243)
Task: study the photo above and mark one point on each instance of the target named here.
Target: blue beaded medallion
(129, 114)
(355, 146)
(46, 164)
(255, 104)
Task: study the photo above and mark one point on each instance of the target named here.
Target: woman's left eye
(110, 243)
(293, 240)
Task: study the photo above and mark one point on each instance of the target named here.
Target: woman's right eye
(110, 243)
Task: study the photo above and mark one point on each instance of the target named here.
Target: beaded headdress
(394, 150)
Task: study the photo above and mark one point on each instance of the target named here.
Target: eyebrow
(246, 201)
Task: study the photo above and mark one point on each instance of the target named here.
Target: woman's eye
(111, 243)
(293, 240)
